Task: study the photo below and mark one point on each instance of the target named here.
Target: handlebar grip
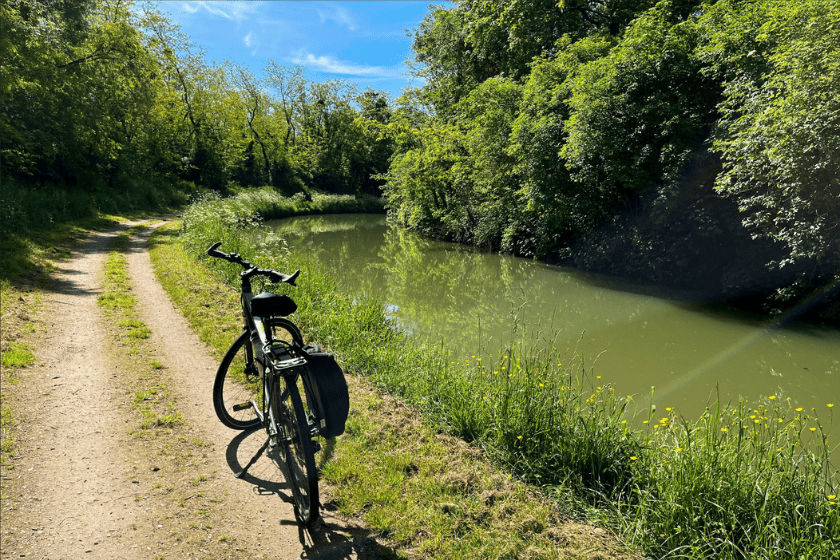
(212, 251)
(277, 277)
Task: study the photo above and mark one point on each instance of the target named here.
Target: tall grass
(744, 481)
(251, 206)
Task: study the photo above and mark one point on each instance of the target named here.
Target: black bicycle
(269, 377)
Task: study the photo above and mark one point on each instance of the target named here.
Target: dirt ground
(85, 483)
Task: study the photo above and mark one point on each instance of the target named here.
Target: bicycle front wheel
(238, 381)
(300, 454)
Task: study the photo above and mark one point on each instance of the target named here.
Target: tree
(77, 85)
(255, 104)
(779, 132)
(212, 143)
(290, 84)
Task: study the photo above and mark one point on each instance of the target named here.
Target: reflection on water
(474, 301)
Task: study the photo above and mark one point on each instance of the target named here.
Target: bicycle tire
(237, 379)
(300, 454)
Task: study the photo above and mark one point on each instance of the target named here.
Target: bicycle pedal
(242, 406)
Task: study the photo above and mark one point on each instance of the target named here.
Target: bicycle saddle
(267, 304)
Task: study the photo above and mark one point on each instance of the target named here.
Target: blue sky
(362, 42)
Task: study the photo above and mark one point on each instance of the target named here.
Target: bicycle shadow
(331, 537)
(259, 477)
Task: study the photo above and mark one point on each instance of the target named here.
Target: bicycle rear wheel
(238, 381)
(300, 454)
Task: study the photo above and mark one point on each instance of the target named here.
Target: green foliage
(107, 100)
(552, 207)
(77, 94)
(779, 131)
(541, 127)
(649, 93)
(460, 48)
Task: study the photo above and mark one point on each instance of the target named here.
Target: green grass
(18, 355)
(7, 421)
(754, 479)
(153, 404)
(117, 292)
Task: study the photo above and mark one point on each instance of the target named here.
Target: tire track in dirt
(73, 496)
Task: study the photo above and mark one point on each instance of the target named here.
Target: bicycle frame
(259, 352)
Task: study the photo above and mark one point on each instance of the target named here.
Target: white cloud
(335, 66)
(211, 7)
(234, 11)
(339, 15)
(247, 39)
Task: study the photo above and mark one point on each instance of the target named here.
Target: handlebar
(251, 270)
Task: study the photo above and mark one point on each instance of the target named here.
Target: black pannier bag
(327, 389)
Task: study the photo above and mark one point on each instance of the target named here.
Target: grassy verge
(754, 479)
(430, 494)
(155, 406)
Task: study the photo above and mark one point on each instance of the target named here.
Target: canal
(633, 337)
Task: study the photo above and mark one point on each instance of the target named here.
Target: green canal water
(476, 301)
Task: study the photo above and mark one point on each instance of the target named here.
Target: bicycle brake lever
(212, 251)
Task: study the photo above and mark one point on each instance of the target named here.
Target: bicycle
(263, 375)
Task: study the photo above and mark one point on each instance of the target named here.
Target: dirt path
(83, 486)
(75, 494)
